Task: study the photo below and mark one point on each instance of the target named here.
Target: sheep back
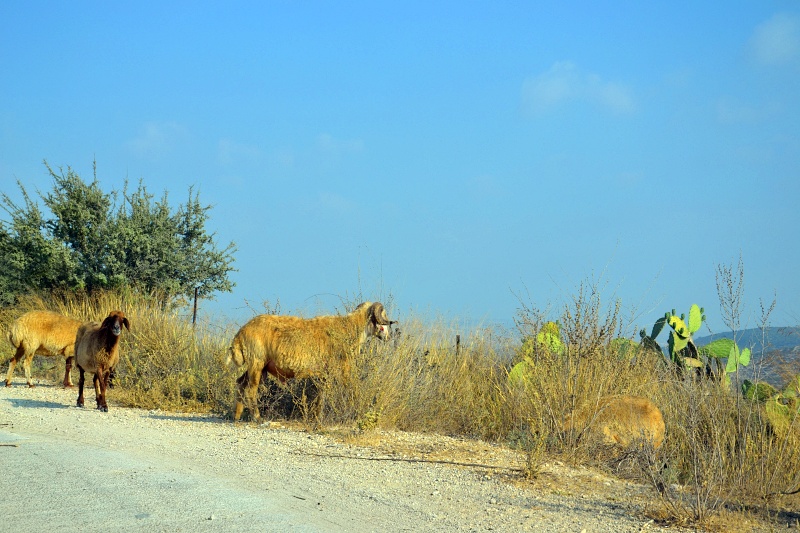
(296, 346)
(44, 332)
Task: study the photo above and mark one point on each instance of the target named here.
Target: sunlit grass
(719, 446)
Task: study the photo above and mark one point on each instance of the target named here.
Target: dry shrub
(721, 451)
(421, 380)
(165, 363)
(590, 366)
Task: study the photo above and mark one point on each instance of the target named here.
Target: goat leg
(13, 363)
(102, 405)
(67, 370)
(98, 395)
(26, 364)
(81, 380)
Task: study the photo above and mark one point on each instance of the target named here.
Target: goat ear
(126, 323)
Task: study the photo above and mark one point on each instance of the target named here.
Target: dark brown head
(114, 322)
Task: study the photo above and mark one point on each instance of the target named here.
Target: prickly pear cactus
(759, 391)
(682, 349)
(783, 409)
(548, 340)
(726, 357)
(680, 345)
(696, 318)
(649, 341)
(623, 348)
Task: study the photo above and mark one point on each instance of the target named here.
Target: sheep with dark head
(292, 347)
(97, 351)
(42, 333)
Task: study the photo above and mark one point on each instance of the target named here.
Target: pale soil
(71, 469)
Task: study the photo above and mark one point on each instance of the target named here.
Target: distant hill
(776, 338)
(776, 352)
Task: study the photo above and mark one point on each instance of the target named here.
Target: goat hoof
(8, 383)
(80, 405)
(31, 385)
(102, 408)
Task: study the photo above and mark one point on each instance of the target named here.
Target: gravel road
(72, 469)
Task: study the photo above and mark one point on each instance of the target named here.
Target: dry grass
(165, 363)
(721, 456)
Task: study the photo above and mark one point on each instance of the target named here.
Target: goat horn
(378, 313)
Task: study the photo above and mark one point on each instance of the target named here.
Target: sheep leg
(247, 394)
(67, 370)
(26, 364)
(81, 381)
(99, 390)
(13, 363)
(312, 401)
(102, 380)
(251, 394)
(241, 382)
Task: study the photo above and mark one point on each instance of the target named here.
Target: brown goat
(288, 347)
(618, 420)
(42, 333)
(97, 351)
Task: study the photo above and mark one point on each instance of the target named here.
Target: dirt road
(71, 469)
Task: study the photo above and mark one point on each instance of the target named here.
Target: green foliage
(681, 346)
(759, 391)
(623, 348)
(718, 358)
(782, 408)
(546, 342)
(91, 242)
(724, 357)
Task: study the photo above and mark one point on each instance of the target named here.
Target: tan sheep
(618, 420)
(97, 351)
(42, 333)
(289, 347)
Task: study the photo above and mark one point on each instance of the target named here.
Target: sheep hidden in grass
(618, 420)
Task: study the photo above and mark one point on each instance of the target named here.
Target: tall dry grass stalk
(422, 381)
(165, 363)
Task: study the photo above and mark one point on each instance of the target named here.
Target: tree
(82, 224)
(29, 258)
(92, 243)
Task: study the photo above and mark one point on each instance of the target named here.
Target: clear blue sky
(454, 154)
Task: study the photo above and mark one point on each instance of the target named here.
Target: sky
(463, 159)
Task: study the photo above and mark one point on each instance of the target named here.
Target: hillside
(776, 352)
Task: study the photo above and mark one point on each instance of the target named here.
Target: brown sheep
(97, 351)
(289, 347)
(42, 333)
(618, 420)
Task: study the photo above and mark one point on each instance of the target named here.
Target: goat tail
(14, 337)
(235, 354)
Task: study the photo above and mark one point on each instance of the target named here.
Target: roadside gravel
(71, 469)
